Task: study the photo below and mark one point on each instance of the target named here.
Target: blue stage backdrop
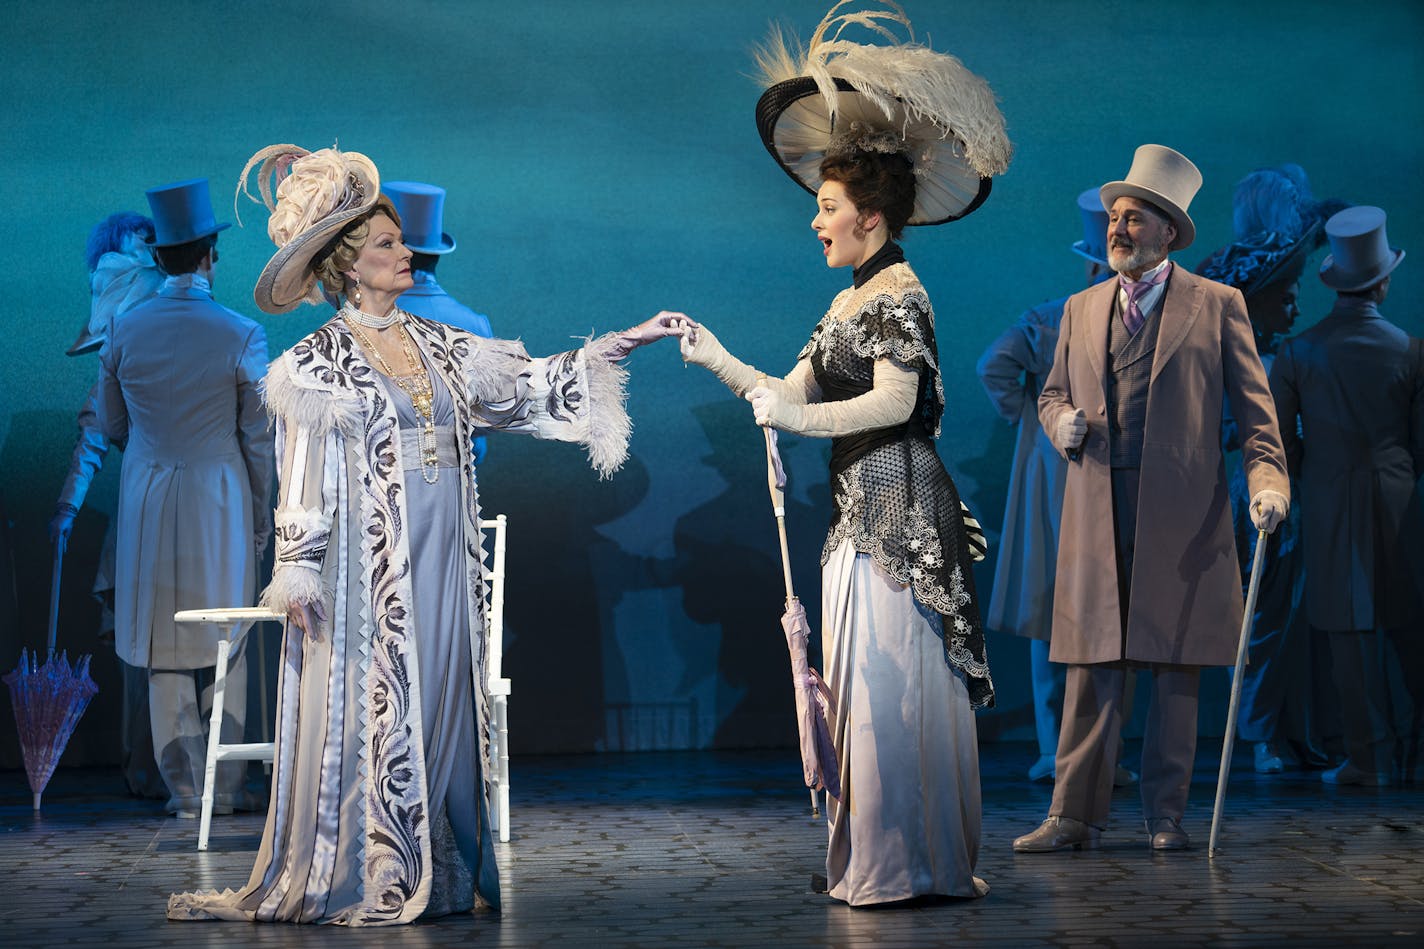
(602, 164)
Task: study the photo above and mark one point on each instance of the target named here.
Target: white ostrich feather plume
(904, 81)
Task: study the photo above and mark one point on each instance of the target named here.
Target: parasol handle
(776, 482)
(1229, 741)
(59, 545)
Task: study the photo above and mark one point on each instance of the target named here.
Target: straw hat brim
(287, 279)
(86, 342)
(1350, 283)
(1302, 247)
(1186, 230)
(796, 128)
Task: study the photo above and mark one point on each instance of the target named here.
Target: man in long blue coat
(1356, 382)
(178, 391)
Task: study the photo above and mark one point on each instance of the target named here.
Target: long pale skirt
(908, 824)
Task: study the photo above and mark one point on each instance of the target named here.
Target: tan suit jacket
(1186, 586)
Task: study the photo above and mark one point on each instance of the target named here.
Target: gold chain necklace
(417, 386)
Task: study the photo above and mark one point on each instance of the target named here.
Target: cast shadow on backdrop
(728, 567)
(985, 470)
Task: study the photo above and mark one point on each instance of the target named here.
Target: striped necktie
(1132, 317)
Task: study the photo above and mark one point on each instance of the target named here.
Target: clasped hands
(648, 331)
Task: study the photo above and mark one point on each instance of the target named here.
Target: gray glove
(1071, 430)
(648, 331)
(1268, 509)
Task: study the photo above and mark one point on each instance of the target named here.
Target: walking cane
(59, 545)
(1230, 740)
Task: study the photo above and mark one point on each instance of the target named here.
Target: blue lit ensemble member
(1355, 382)
(1012, 370)
(1280, 710)
(122, 274)
(422, 215)
(178, 391)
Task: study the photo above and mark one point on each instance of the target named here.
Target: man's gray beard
(1141, 258)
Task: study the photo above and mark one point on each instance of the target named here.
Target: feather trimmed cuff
(291, 584)
(608, 426)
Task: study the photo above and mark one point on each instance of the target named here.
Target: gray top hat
(1165, 178)
(1094, 244)
(1360, 255)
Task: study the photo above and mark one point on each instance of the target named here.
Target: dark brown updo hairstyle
(340, 254)
(875, 181)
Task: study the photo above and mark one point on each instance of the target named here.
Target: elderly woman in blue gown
(379, 810)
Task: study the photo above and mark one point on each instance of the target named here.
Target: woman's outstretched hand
(308, 618)
(666, 323)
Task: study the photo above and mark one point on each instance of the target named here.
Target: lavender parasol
(48, 699)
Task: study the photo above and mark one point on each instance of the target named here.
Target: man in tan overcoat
(1147, 568)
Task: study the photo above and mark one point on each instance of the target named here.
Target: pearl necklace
(353, 315)
(415, 384)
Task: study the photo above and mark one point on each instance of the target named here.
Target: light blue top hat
(182, 212)
(1094, 244)
(1360, 255)
(421, 208)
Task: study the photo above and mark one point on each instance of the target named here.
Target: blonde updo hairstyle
(340, 254)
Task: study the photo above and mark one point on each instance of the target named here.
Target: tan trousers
(1093, 711)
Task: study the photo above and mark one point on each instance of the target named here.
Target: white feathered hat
(900, 97)
(317, 194)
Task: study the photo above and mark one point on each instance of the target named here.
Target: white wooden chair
(499, 688)
(237, 620)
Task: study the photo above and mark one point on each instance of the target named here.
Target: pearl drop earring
(356, 295)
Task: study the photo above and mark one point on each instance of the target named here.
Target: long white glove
(889, 402)
(1268, 509)
(1072, 429)
(702, 348)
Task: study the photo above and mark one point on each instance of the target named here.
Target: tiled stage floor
(717, 849)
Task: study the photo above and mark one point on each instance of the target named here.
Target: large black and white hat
(902, 97)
